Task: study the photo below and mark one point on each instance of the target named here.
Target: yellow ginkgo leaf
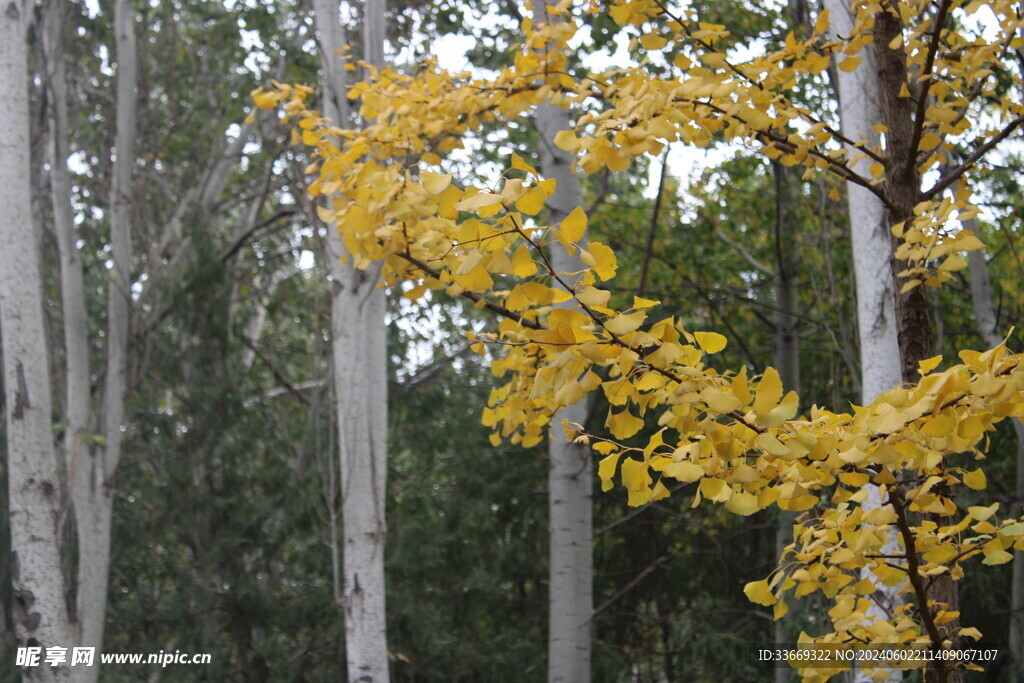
(759, 592)
(997, 557)
(532, 202)
(710, 342)
(850, 63)
(566, 140)
(520, 165)
(574, 227)
(769, 391)
(743, 503)
(602, 259)
(523, 264)
(591, 296)
(640, 302)
(624, 323)
(435, 183)
(685, 472)
(623, 425)
(975, 480)
(926, 366)
(606, 471)
(478, 201)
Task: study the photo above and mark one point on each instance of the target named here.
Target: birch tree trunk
(359, 347)
(872, 254)
(93, 468)
(570, 474)
(988, 328)
(36, 495)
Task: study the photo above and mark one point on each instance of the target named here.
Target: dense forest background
(226, 506)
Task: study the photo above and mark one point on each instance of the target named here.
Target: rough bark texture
(877, 325)
(903, 192)
(570, 474)
(36, 496)
(360, 377)
(988, 327)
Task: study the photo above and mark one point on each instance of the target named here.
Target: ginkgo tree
(946, 81)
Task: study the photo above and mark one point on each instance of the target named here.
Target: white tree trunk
(36, 495)
(570, 475)
(360, 376)
(872, 240)
(94, 467)
(872, 257)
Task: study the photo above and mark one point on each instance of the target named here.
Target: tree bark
(877, 325)
(92, 469)
(786, 343)
(570, 474)
(360, 380)
(36, 496)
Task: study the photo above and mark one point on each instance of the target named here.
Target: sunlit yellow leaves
(623, 424)
(975, 480)
(759, 592)
(601, 258)
(743, 503)
(624, 323)
(981, 513)
(996, 556)
(710, 342)
(850, 63)
(879, 516)
(264, 99)
(520, 165)
(821, 23)
(532, 202)
(743, 441)
(652, 41)
(606, 471)
(640, 302)
(566, 140)
(478, 201)
(523, 264)
(926, 366)
(574, 227)
(435, 183)
(685, 472)
(721, 402)
(768, 393)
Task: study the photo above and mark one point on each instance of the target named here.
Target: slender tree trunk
(570, 477)
(79, 458)
(570, 474)
(785, 340)
(36, 494)
(988, 328)
(94, 467)
(360, 377)
(872, 255)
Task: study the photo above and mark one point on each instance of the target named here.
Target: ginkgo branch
(473, 296)
(927, 73)
(978, 153)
